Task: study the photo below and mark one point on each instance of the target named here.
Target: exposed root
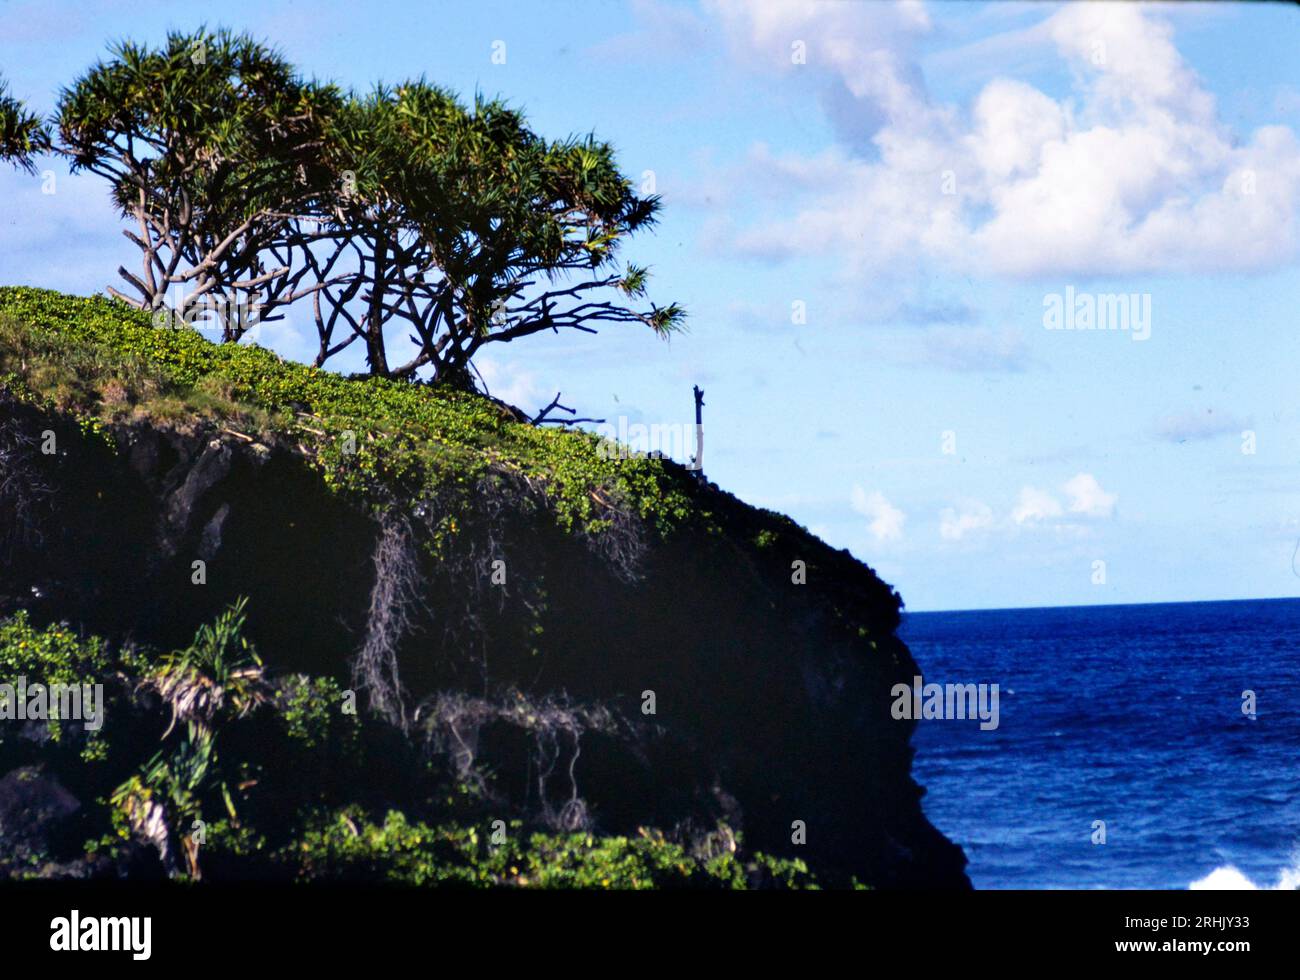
(465, 567)
(456, 594)
(395, 599)
(23, 490)
(621, 542)
(453, 723)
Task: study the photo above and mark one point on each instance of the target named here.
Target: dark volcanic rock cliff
(768, 706)
(721, 675)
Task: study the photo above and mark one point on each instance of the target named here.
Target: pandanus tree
(212, 146)
(466, 228)
(418, 226)
(22, 133)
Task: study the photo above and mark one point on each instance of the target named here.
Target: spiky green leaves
(469, 218)
(23, 135)
(217, 115)
(209, 141)
(486, 193)
(250, 188)
(219, 673)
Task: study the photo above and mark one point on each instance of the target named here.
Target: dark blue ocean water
(1127, 714)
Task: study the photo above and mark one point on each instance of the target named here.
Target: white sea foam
(1229, 878)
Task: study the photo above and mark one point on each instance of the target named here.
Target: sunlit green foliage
(345, 845)
(207, 142)
(57, 654)
(473, 229)
(22, 133)
(184, 786)
(104, 362)
(400, 215)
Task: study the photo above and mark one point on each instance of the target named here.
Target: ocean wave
(1228, 878)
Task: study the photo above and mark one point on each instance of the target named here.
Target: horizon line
(1096, 605)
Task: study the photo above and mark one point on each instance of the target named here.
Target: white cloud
(1132, 172)
(512, 385)
(886, 520)
(1034, 508)
(969, 516)
(1035, 505)
(1087, 497)
(866, 48)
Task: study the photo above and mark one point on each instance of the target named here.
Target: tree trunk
(375, 352)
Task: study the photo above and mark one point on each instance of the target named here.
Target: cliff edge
(371, 630)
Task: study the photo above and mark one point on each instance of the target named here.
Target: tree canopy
(22, 133)
(411, 222)
(210, 143)
(472, 229)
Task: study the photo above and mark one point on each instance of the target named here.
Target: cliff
(360, 629)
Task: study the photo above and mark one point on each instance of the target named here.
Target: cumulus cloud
(867, 49)
(1088, 498)
(1081, 495)
(1035, 505)
(886, 520)
(1132, 172)
(970, 516)
(513, 385)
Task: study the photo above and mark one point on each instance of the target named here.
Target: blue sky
(921, 178)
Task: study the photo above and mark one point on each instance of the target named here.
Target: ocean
(1127, 715)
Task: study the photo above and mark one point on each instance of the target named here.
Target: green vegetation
(22, 134)
(182, 800)
(228, 769)
(344, 845)
(205, 142)
(402, 219)
(372, 438)
(109, 366)
(405, 212)
(58, 655)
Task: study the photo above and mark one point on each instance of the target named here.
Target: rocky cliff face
(461, 618)
(685, 684)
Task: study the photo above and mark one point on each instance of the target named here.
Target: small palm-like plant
(219, 674)
(165, 795)
(217, 678)
(140, 803)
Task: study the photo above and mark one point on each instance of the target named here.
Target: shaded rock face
(696, 683)
(34, 809)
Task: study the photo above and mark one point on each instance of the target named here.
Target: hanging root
(23, 491)
(452, 724)
(468, 535)
(620, 541)
(394, 600)
(466, 594)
